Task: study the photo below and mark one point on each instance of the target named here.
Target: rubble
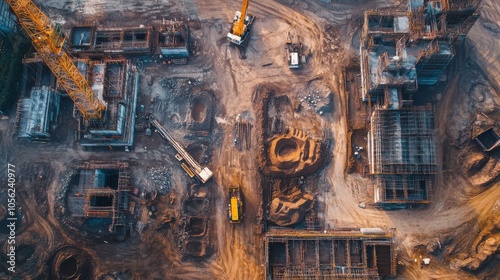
(159, 178)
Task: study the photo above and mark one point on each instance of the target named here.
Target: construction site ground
(457, 217)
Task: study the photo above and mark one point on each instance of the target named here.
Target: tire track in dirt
(237, 254)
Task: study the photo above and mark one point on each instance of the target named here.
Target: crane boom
(48, 40)
(239, 26)
(204, 174)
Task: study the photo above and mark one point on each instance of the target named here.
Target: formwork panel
(356, 252)
(277, 254)
(295, 250)
(403, 142)
(310, 255)
(325, 252)
(340, 249)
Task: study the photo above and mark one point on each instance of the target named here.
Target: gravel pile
(160, 178)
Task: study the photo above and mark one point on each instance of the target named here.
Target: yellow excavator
(242, 24)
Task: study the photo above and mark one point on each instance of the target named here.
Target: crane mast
(48, 39)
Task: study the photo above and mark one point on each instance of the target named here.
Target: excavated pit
(196, 226)
(198, 109)
(202, 111)
(286, 149)
(70, 263)
(195, 205)
(68, 267)
(195, 248)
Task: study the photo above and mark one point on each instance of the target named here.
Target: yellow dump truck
(235, 206)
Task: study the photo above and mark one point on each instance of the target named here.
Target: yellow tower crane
(48, 40)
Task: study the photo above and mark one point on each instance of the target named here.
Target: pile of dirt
(293, 154)
(482, 169)
(486, 245)
(289, 207)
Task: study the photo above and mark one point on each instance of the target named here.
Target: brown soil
(463, 204)
(198, 110)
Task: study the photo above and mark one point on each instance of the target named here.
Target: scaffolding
(402, 141)
(442, 18)
(403, 189)
(413, 48)
(118, 83)
(7, 19)
(37, 115)
(173, 41)
(96, 164)
(400, 51)
(343, 254)
(114, 79)
(402, 154)
(94, 209)
(97, 197)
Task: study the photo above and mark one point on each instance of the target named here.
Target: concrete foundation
(350, 254)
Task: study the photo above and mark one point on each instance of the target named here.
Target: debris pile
(318, 103)
(482, 168)
(159, 177)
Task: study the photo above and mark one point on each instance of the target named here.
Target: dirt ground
(459, 211)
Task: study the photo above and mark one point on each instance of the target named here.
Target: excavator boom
(240, 29)
(48, 40)
(239, 26)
